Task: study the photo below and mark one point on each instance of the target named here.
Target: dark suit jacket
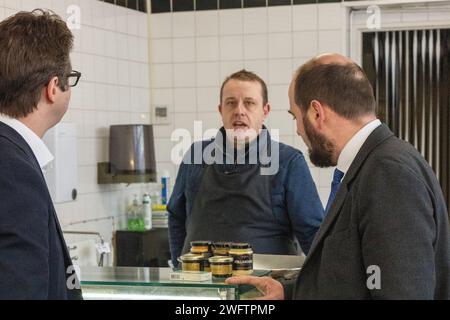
(33, 254)
(389, 212)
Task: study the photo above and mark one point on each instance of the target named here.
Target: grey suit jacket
(386, 235)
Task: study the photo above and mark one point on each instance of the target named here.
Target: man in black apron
(248, 217)
(236, 192)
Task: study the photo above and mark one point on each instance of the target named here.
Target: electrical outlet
(161, 115)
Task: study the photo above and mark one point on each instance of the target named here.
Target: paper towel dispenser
(131, 155)
(61, 174)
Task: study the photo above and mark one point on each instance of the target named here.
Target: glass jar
(221, 267)
(242, 255)
(221, 248)
(200, 246)
(203, 248)
(192, 262)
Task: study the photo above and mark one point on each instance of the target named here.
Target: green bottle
(135, 217)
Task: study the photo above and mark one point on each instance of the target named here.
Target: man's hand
(272, 289)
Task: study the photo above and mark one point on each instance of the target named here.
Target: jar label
(225, 270)
(191, 266)
(243, 262)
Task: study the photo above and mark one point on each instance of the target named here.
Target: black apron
(236, 206)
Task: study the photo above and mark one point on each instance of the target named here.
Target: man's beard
(241, 138)
(321, 150)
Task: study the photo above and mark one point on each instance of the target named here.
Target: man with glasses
(35, 88)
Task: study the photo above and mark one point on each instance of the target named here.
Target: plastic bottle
(147, 208)
(156, 198)
(165, 188)
(130, 217)
(135, 216)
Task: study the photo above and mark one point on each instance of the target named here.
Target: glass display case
(134, 283)
(126, 283)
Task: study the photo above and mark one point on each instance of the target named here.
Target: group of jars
(222, 259)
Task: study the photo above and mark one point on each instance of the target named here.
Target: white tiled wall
(111, 51)
(193, 52)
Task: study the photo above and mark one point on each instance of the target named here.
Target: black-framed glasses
(73, 78)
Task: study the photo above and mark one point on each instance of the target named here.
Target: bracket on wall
(105, 175)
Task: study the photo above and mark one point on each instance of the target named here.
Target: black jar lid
(201, 243)
(221, 245)
(240, 245)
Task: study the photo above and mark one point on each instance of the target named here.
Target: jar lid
(220, 259)
(190, 257)
(240, 245)
(205, 255)
(221, 244)
(200, 243)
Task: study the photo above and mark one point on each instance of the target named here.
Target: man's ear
(316, 113)
(266, 109)
(220, 108)
(52, 89)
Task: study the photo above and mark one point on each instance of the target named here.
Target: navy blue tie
(337, 177)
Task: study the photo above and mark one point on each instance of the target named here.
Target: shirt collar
(40, 150)
(351, 149)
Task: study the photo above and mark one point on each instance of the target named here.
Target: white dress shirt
(40, 150)
(351, 149)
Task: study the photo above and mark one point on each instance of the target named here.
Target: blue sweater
(295, 201)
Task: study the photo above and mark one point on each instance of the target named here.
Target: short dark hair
(244, 75)
(34, 47)
(345, 88)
